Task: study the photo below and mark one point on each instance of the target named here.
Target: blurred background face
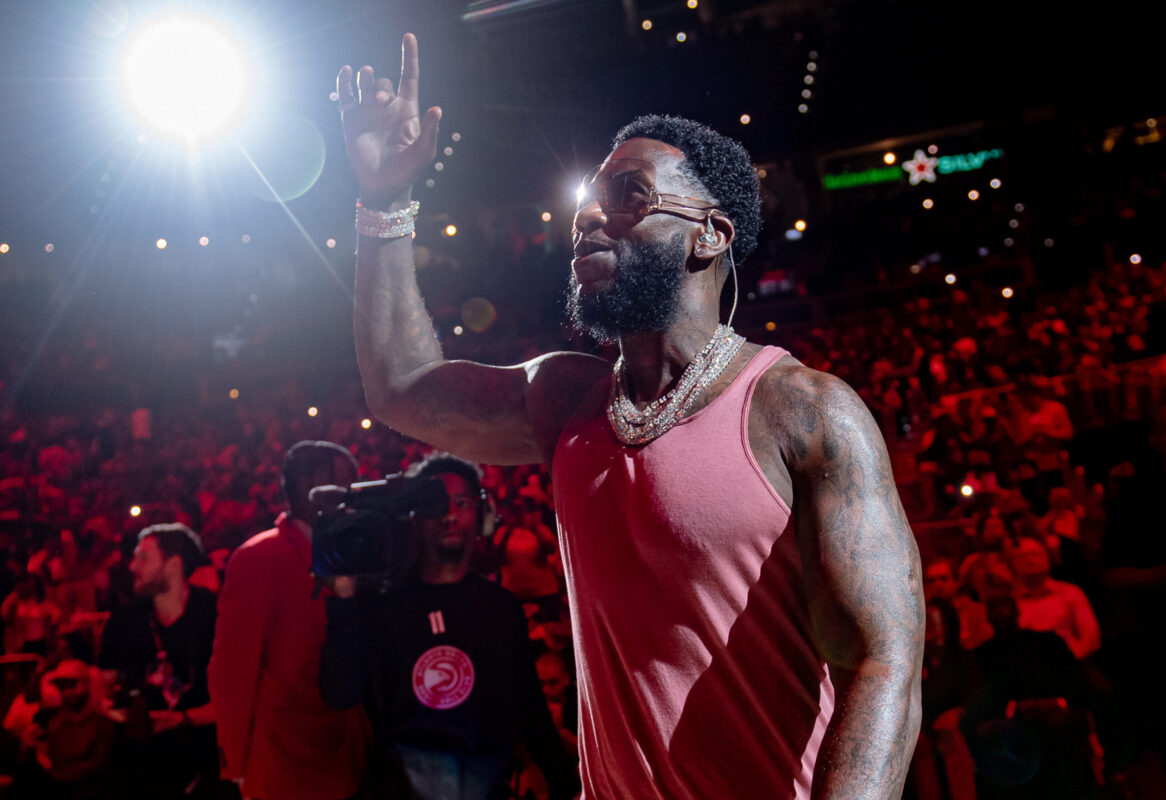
(1030, 560)
(149, 569)
(938, 581)
(447, 540)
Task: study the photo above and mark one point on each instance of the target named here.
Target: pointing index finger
(410, 69)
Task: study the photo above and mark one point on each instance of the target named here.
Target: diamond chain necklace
(634, 427)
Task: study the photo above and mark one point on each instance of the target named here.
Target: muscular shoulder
(805, 413)
(557, 384)
(258, 553)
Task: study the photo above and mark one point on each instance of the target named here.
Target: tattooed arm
(863, 584)
(500, 415)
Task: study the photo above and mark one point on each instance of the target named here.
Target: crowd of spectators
(1044, 561)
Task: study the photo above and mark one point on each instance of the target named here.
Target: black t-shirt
(444, 668)
(130, 645)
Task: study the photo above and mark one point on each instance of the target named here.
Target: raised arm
(500, 415)
(863, 584)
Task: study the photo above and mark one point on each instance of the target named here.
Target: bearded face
(643, 295)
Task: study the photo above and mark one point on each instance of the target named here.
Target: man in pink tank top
(745, 590)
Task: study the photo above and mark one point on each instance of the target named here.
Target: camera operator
(160, 647)
(442, 663)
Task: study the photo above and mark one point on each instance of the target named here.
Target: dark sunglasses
(626, 186)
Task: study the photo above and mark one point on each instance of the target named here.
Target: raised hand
(388, 140)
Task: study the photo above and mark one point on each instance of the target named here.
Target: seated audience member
(1024, 720)
(275, 731)
(160, 647)
(66, 742)
(987, 572)
(1049, 605)
(30, 618)
(939, 583)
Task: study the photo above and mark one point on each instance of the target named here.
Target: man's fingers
(410, 68)
(384, 91)
(429, 125)
(365, 82)
(344, 93)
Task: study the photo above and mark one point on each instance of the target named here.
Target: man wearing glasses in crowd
(745, 590)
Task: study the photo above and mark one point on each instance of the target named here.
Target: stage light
(160, 244)
(932, 149)
(203, 241)
(448, 151)
(646, 24)
(233, 394)
(771, 326)
(313, 411)
(49, 247)
(928, 203)
(973, 195)
(800, 225)
(366, 423)
(245, 238)
(3, 247)
(135, 511)
(430, 183)
(438, 166)
(807, 93)
(967, 491)
(762, 172)
(1007, 292)
(1049, 242)
(888, 158)
(803, 108)
(811, 67)
(1014, 224)
(1135, 258)
(545, 216)
(682, 37)
(184, 77)
(330, 243)
(692, 3)
(995, 183)
(450, 230)
(793, 235)
(455, 137)
(458, 330)
(949, 278)
(916, 269)
(746, 119)
(813, 54)
(1018, 208)
(809, 79)
(1008, 242)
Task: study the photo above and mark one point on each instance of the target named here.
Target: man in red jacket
(275, 732)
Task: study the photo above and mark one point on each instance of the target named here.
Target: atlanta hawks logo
(443, 677)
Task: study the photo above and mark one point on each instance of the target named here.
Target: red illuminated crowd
(1029, 444)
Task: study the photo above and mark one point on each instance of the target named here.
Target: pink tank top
(697, 675)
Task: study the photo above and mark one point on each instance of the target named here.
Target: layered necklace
(635, 427)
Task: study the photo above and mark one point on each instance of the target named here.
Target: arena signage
(920, 168)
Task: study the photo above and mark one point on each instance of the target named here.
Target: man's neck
(655, 360)
(440, 572)
(171, 604)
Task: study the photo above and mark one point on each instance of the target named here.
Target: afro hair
(719, 164)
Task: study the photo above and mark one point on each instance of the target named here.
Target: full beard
(644, 294)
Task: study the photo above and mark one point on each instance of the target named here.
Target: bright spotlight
(313, 411)
(546, 216)
(800, 225)
(184, 77)
(949, 279)
(203, 241)
(888, 158)
(1007, 292)
(366, 423)
(160, 244)
(135, 511)
(451, 230)
(4, 247)
(1135, 258)
(233, 394)
(967, 491)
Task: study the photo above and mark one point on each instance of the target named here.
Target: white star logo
(921, 168)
